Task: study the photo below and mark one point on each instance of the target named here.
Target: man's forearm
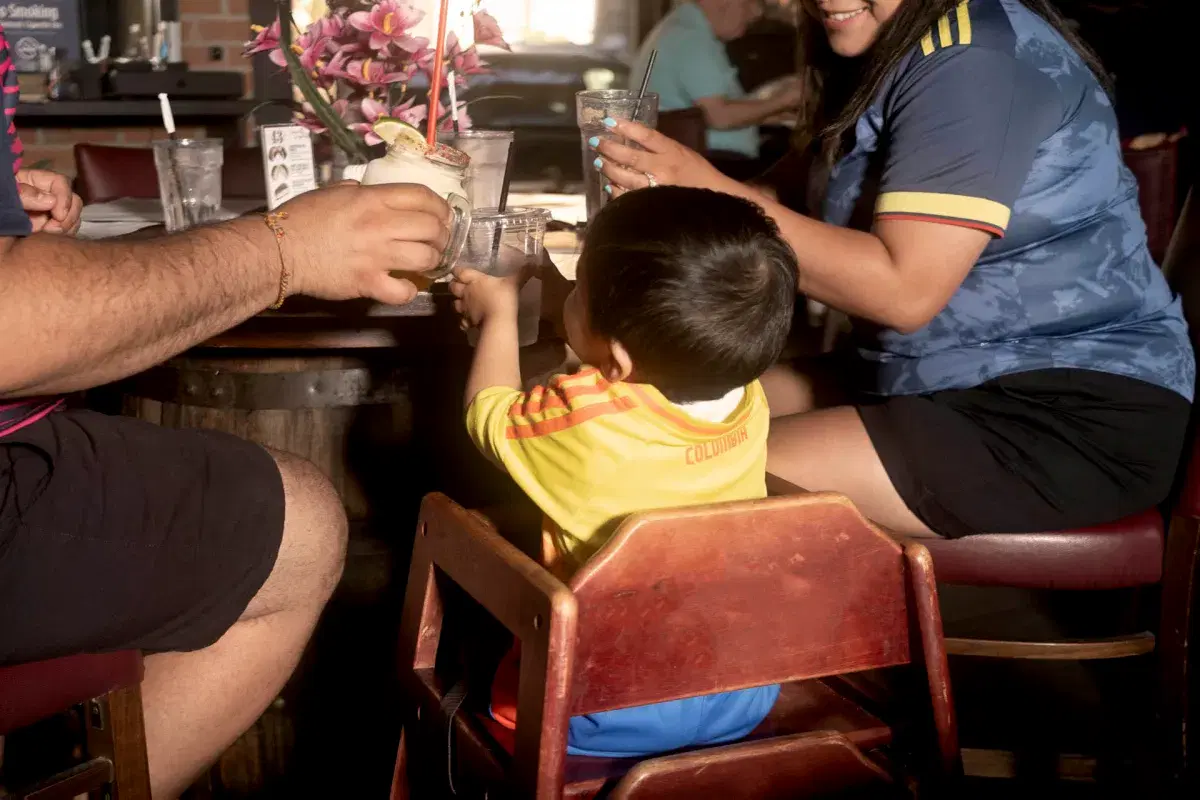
(76, 314)
(724, 115)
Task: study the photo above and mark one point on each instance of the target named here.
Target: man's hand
(344, 242)
(48, 200)
(480, 297)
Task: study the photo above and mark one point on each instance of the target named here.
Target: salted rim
(445, 154)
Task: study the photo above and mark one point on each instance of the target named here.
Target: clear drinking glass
(592, 108)
(189, 181)
(489, 159)
(503, 242)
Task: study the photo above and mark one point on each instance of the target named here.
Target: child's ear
(619, 365)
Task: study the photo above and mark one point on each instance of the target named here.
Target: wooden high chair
(681, 603)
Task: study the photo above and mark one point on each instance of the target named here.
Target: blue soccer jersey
(994, 122)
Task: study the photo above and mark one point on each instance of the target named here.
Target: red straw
(435, 86)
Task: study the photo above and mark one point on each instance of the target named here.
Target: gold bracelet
(274, 221)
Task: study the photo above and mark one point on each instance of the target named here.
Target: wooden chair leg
(116, 730)
(400, 774)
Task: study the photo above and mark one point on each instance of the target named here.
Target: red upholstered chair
(107, 687)
(686, 126)
(679, 603)
(104, 173)
(1157, 172)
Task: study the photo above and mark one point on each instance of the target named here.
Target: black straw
(504, 187)
(508, 170)
(637, 109)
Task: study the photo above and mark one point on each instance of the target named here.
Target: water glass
(592, 109)
(489, 161)
(502, 243)
(189, 181)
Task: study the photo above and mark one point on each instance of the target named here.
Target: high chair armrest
(465, 548)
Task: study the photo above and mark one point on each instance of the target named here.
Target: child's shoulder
(566, 391)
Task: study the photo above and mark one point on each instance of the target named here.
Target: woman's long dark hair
(840, 90)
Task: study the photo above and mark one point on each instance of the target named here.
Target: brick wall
(207, 24)
(56, 146)
(223, 24)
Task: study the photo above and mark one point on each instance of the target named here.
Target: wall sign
(29, 25)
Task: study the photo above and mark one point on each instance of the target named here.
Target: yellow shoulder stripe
(944, 206)
(964, 22)
(945, 34)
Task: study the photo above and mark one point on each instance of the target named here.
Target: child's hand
(481, 297)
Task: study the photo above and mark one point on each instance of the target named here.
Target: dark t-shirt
(993, 122)
(14, 222)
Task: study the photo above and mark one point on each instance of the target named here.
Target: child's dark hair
(696, 285)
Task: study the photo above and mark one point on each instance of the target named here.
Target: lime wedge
(399, 134)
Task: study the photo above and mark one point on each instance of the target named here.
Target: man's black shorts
(1046, 450)
(118, 534)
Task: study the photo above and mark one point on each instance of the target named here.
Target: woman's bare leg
(829, 451)
(799, 388)
(821, 445)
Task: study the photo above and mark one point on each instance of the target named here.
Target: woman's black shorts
(1036, 451)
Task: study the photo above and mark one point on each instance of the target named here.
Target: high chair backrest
(685, 602)
(679, 603)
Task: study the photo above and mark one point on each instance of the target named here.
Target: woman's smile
(851, 25)
(835, 20)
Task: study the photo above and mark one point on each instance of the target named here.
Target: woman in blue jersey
(1021, 364)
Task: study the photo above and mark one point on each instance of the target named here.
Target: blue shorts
(663, 727)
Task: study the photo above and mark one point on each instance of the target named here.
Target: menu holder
(288, 163)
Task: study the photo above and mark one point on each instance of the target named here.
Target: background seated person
(693, 69)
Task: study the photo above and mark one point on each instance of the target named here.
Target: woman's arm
(900, 275)
(963, 124)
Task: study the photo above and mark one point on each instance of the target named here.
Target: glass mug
(443, 170)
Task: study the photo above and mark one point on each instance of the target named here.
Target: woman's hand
(662, 162)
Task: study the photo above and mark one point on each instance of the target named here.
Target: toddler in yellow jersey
(683, 300)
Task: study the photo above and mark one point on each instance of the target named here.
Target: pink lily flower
(266, 40)
(309, 120)
(362, 119)
(329, 27)
(314, 46)
(410, 112)
(388, 24)
(487, 31)
(368, 72)
(463, 62)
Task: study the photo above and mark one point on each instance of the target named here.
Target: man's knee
(313, 550)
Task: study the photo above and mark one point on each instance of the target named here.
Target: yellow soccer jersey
(589, 452)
